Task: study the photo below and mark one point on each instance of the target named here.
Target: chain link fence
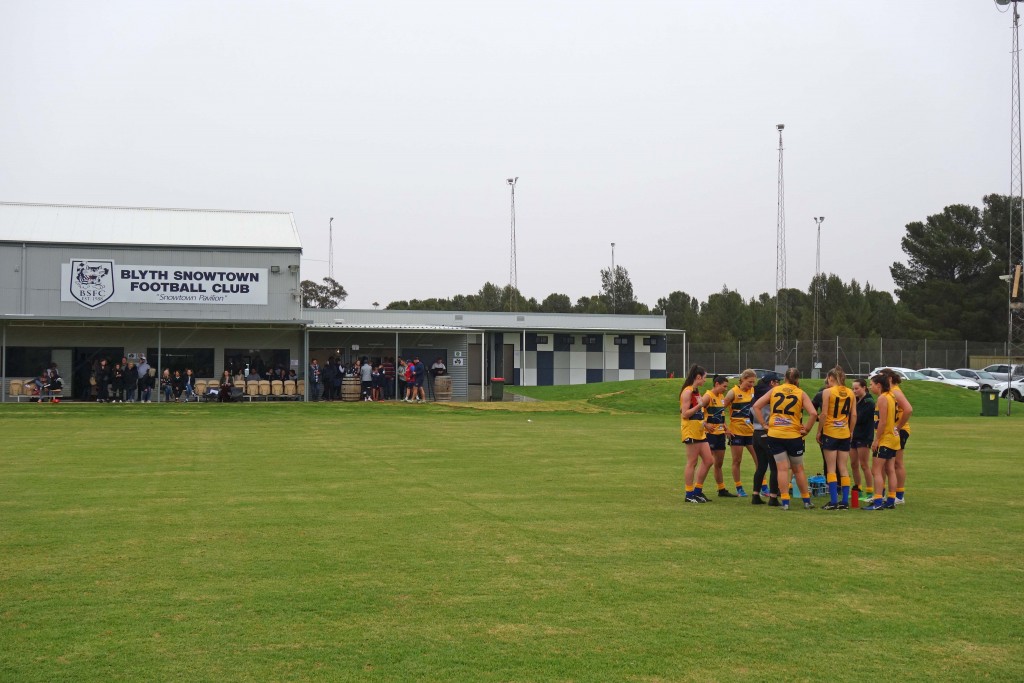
(856, 355)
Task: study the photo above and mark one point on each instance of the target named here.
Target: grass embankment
(661, 396)
(395, 543)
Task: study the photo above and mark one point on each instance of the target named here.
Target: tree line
(948, 287)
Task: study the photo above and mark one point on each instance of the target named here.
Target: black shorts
(741, 440)
(860, 443)
(794, 448)
(904, 437)
(716, 441)
(885, 453)
(692, 440)
(830, 443)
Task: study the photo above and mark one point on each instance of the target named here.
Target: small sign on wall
(458, 361)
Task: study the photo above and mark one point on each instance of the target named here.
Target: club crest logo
(92, 282)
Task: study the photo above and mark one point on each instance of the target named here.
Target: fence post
(796, 355)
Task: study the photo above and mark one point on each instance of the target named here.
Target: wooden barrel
(16, 385)
(350, 389)
(443, 388)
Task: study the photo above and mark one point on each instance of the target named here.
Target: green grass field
(514, 542)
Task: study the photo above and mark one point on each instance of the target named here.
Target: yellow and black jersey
(836, 407)
(785, 412)
(715, 413)
(740, 421)
(890, 437)
(692, 427)
(899, 413)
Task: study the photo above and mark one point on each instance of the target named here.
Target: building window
(262, 361)
(28, 361)
(198, 359)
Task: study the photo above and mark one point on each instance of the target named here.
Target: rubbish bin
(989, 403)
(497, 388)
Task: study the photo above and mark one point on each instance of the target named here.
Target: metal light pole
(1015, 313)
(781, 310)
(513, 275)
(815, 361)
(614, 278)
(330, 249)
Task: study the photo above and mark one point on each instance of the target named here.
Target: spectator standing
(117, 383)
(131, 382)
(400, 374)
(419, 375)
(438, 368)
(366, 379)
(143, 367)
(315, 377)
(388, 369)
(103, 382)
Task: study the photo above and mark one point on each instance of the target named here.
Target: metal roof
(393, 328)
(484, 320)
(128, 226)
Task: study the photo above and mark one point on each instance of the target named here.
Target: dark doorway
(84, 360)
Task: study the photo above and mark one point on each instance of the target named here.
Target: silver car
(947, 376)
(986, 380)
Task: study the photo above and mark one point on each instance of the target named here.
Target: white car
(1016, 391)
(904, 373)
(947, 376)
(986, 380)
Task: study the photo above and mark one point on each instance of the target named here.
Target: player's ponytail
(838, 376)
(695, 372)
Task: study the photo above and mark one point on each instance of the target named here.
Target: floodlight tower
(781, 309)
(1015, 245)
(614, 279)
(817, 285)
(513, 275)
(330, 248)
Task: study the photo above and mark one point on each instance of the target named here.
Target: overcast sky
(648, 124)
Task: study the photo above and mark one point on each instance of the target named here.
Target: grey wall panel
(43, 278)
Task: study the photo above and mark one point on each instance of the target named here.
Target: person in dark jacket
(188, 385)
(765, 460)
(103, 377)
(177, 385)
(863, 435)
(226, 385)
(130, 380)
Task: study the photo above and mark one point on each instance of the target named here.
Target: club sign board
(95, 282)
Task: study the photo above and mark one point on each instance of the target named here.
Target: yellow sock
(721, 487)
(739, 484)
(785, 496)
(689, 488)
(844, 481)
(869, 490)
(899, 489)
(830, 478)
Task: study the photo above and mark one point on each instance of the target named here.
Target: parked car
(1000, 371)
(986, 380)
(904, 373)
(947, 376)
(1016, 389)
